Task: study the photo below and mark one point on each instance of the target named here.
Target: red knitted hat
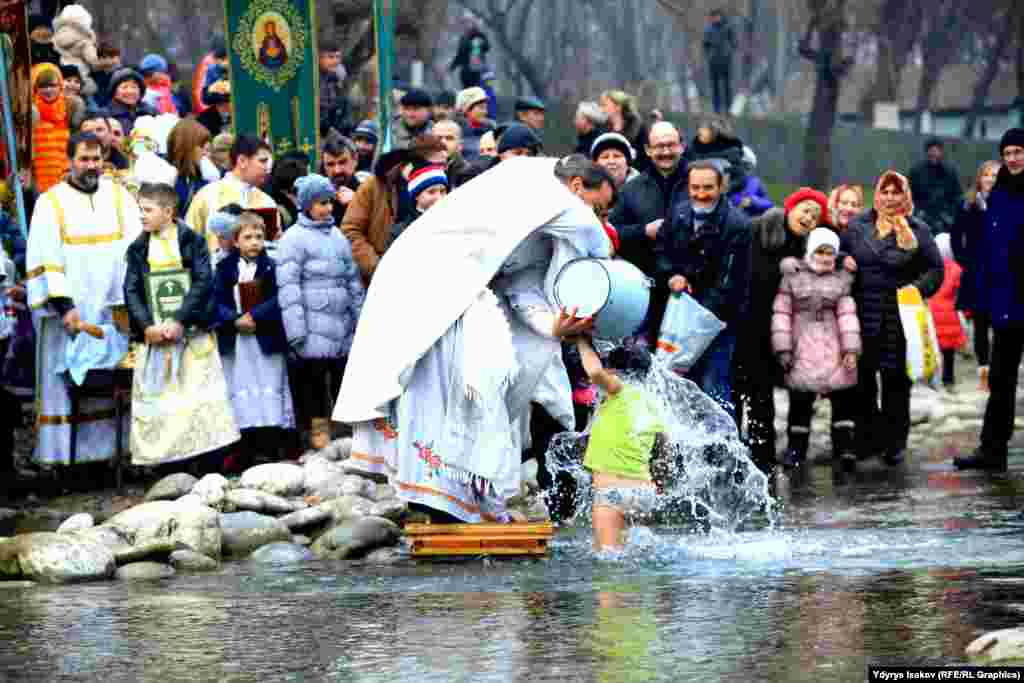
(805, 193)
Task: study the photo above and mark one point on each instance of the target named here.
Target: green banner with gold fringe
(275, 78)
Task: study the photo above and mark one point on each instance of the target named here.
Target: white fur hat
(150, 168)
(822, 237)
(74, 15)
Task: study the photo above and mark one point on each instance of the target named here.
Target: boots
(796, 450)
(320, 433)
(987, 459)
(844, 453)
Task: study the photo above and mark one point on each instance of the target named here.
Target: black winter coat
(883, 268)
(716, 262)
(269, 327)
(937, 194)
(643, 199)
(965, 238)
(197, 309)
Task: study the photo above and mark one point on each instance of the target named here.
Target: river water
(887, 567)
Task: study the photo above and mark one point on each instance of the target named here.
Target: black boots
(796, 450)
(844, 451)
(987, 459)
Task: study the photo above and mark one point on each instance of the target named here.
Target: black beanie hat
(38, 21)
(1011, 138)
(417, 98)
(519, 136)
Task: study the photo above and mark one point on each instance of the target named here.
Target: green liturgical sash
(275, 77)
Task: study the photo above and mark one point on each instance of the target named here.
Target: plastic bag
(924, 359)
(687, 330)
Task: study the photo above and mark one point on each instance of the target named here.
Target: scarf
(55, 112)
(701, 217)
(895, 221)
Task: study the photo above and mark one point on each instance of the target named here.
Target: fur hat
(822, 237)
(426, 177)
(150, 168)
(313, 188)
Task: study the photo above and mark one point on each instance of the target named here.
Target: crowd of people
(242, 276)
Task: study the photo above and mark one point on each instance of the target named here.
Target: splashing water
(712, 486)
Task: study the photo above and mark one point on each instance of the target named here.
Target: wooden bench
(436, 540)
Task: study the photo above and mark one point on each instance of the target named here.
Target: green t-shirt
(623, 434)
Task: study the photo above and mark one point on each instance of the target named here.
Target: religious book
(165, 292)
(249, 295)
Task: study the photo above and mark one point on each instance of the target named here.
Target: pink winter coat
(815, 318)
(943, 307)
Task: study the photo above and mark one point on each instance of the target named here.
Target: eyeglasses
(665, 147)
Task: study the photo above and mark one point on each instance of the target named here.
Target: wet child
(816, 336)
(627, 442)
(943, 307)
(250, 335)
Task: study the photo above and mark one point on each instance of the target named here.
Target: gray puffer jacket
(319, 289)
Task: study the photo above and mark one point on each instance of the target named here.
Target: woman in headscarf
(893, 250)
(50, 128)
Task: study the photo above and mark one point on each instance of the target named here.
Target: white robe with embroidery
(76, 249)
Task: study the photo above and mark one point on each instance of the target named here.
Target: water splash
(713, 486)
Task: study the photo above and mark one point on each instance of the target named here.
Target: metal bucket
(614, 291)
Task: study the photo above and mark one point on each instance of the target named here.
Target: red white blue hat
(426, 176)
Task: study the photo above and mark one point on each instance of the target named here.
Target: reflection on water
(880, 568)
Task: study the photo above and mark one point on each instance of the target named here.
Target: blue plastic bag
(687, 330)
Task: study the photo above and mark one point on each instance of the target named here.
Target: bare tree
(1004, 26)
(897, 29)
(827, 23)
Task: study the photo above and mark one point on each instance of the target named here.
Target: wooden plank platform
(434, 540)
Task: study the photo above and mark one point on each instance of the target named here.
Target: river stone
(79, 522)
(246, 531)
(385, 556)
(304, 541)
(282, 553)
(58, 558)
(161, 547)
(998, 646)
(356, 538)
(260, 501)
(190, 561)
(395, 510)
(197, 528)
(337, 450)
(354, 485)
(144, 571)
(347, 507)
(384, 492)
(211, 490)
(307, 517)
(281, 479)
(323, 478)
(171, 487)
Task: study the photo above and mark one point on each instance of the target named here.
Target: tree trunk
(984, 84)
(818, 142)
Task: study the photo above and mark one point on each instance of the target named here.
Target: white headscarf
(821, 237)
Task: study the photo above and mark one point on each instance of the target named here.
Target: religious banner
(384, 31)
(275, 79)
(14, 34)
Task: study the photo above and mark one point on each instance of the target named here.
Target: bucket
(615, 292)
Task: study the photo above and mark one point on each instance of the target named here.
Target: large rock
(197, 528)
(79, 522)
(337, 450)
(281, 479)
(56, 558)
(149, 549)
(211, 489)
(282, 553)
(395, 510)
(305, 518)
(356, 538)
(190, 561)
(144, 571)
(171, 487)
(243, 532)
(261, 501)
(998, 646)
(347, 507)
(323, 478)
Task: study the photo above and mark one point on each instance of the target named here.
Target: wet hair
(160, 193)
(79, 139)
(630, 359)
(247, 146)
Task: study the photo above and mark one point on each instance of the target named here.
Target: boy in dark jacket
(704, 249)
(250, 335)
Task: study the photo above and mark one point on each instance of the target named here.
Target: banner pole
(12, 147)
(384, 30)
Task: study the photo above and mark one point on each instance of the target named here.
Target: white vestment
(76, 250)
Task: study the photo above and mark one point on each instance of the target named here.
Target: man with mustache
(81, 228)
(703, 249)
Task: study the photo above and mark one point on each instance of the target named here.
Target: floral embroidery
(385, 427)
(426, 453)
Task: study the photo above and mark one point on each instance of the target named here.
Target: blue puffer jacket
(319, 289)
(999, 277)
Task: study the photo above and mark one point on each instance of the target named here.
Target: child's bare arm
(595, 370)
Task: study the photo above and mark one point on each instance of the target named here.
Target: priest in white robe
(81, 229)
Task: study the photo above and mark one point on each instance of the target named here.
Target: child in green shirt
(628, 441)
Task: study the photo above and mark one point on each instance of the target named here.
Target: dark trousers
(756, 397)
(878, 432)
(720, 73)
(982, 325)
(948, 367)
(1000, 411)
(801, 410)
(315, 384)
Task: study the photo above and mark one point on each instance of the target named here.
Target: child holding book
(250, 335)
